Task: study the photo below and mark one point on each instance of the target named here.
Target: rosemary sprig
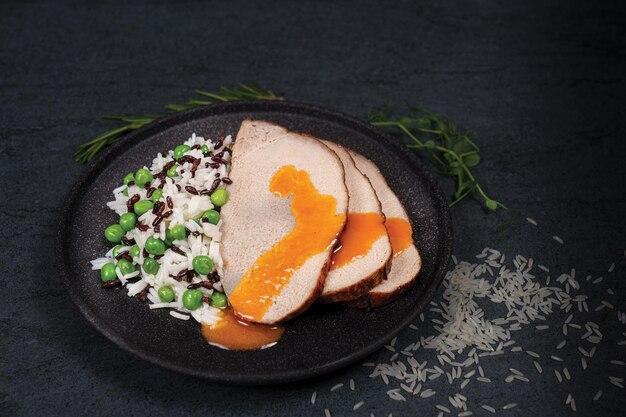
(89, 149)
(454, 153)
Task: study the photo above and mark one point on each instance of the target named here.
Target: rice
(184, 198)
(336, 387)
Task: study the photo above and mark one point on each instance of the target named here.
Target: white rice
(186, 207)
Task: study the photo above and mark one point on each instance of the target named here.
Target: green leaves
(452, 152)
(88, 150)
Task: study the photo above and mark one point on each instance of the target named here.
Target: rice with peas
(186, 181)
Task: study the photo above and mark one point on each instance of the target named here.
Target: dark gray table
(542, 83)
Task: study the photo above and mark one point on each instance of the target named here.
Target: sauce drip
(317, 226)
(400, 234)
(358, 237)
(232, 333)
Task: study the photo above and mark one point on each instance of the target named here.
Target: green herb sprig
(454, 153)
(89, 149)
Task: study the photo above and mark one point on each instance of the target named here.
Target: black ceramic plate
(322, 339)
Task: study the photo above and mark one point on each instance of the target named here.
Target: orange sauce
(400, 234)
(232, 333)
(317, 226)
(357, 237)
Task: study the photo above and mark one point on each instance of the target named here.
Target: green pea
(155, 246)
(125, 192)
(129, 178)
(126, 267)
(180, 150)
(151, 266)
(134, 251)
(219, 197)
(218, 299)
(107, 273)
(128, 221)
(156, 195)
(166, 294)
(168, 237)
(192, 299)
(212, 216)
(203, 265)
(143, 177)
(114, 233)
(177, 232)
(142, 206)
(204, 149)
(172, 171)
(116, 250)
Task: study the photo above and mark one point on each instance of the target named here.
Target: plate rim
(92, 168)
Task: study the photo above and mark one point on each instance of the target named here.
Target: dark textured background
(542, 83)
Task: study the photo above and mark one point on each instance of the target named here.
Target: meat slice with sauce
(406, 262)
(288, 204)
(363, 257)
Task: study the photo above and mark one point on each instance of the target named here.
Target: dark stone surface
(542, 82)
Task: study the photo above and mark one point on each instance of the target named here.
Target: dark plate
(322, 339)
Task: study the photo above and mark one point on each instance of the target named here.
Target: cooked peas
(156, 195)
(212, 216)
(107, 273)
(128, 221)
(151, 266)
(192, 299)
(219, 197)
(116, 250)
(204, 149)
(172, 171)
(166, 294)
(168, 237)
(155, 246)
(218, 299)
(203, 265)
(142, 206)
(114, 233)
(134, 251)
(180, 150)
(125, 192)
(126, 267)
(129, 178)
(178, 232)
(143, 177)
